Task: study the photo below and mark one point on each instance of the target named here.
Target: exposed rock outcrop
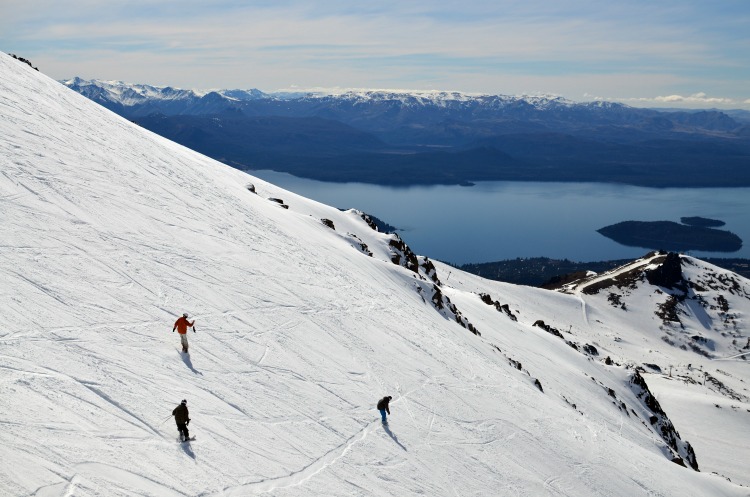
(668, 274)
(505, 308)
(682, 451)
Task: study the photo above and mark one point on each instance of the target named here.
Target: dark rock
(430, 270)
(590, 349)
(661, 422)
(25, 61)
(549, 329)
(279, 201)
(403, 252)
(723, 303)
(328, 223)
(669, 274)
(377, 225)
(504, 308)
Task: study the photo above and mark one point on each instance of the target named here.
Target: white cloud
(699, 99)
(695, 98)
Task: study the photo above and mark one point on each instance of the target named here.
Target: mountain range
(629, 382)
(399, 137)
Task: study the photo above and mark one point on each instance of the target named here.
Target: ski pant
(183, 340)
(182, 428)
(382, 415)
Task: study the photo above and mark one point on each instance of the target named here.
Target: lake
(500, 220)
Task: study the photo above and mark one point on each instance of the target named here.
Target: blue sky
(647, 53)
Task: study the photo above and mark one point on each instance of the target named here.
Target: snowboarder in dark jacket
(383, 408)
(182, 418)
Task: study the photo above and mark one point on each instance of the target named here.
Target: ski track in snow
(584, 312)
(93, 471)
(298, 477)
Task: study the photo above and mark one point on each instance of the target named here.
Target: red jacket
(182, 325)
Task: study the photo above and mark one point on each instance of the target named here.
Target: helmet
(185, 315)
(184, 401)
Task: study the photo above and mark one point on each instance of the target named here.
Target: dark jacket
(181, 414)
(383, 404)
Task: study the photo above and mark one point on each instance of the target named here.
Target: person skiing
(182, 418)
(182, 325)
(383, 408)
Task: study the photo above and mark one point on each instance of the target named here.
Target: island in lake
(668, 235)
(702, 221)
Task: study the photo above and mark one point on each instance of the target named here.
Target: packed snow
(303, 322)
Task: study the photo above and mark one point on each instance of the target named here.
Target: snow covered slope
(305, 317)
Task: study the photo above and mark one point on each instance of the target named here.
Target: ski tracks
(125, 479)
(116, 404)
(298, 477)
(584, 312)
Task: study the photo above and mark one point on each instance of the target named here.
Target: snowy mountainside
(686, 333)
(305, 316)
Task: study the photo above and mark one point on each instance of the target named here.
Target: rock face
(424, 270)
(682, 452)
(669, 274)
(549, 329)
(487, 299)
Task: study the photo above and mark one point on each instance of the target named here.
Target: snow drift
(305, 317)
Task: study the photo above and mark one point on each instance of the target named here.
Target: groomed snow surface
(111, 232)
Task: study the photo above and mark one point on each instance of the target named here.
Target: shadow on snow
(188, 362)
(394, 437)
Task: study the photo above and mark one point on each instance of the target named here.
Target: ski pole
(165, 420)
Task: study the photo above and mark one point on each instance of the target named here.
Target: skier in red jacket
(182, 325)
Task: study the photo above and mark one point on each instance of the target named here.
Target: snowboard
(187, 439)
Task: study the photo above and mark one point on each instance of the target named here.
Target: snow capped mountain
(438, 98)
(130, 95)
(305, 316)
(119, 96)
